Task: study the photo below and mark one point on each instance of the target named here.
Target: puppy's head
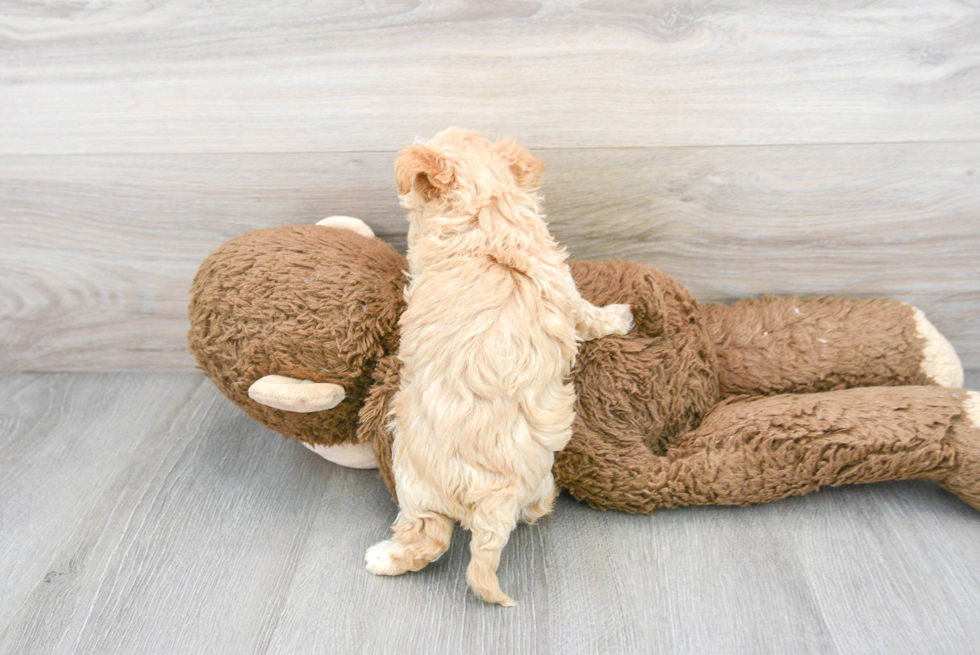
(459, 168)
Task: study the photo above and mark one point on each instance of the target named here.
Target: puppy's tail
(481, 574)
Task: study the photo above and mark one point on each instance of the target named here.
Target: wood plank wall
(746, 148)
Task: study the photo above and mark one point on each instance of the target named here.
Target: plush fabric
(299, 302)
(734, 405)
(780, 345)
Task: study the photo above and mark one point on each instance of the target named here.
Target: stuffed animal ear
(424, 168)
(527, 168)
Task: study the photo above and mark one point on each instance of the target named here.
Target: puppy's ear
(527, 168)
(423, 166)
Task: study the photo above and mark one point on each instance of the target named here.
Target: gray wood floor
(143, 513)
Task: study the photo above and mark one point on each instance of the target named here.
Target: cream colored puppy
(487, 342)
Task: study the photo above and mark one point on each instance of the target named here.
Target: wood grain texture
(266, 76)
(220, 537)
(701, 580)
(432, 611)
(190, 549)
(98, 251)
(901, 553)
(63, 440)
(697, 580)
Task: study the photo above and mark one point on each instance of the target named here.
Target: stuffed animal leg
(793, 345)
(761, 449)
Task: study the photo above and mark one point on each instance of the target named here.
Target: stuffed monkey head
(307, 302)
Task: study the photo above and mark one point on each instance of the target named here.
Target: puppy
(487, 342)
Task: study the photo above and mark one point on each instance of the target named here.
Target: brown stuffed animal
(733, 405)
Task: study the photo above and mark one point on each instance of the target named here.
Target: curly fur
(488, 339)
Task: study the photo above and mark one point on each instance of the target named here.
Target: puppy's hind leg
(542, 502)
(417, 540)
(490, 535)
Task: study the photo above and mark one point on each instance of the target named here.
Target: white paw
(347, 223)
(382, 558)
(619, 319)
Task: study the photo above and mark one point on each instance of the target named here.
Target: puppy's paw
(543, 503)
(618, 319)
(533, 513)
(386, 558)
